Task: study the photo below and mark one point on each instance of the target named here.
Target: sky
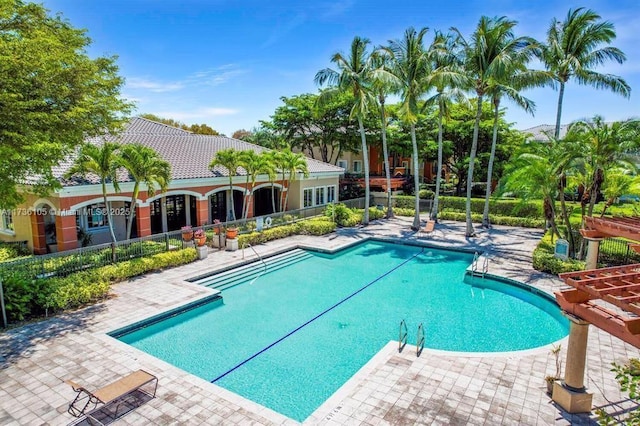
(227, 63)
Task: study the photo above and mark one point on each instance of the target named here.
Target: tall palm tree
(102, 161)
(247, 159)
(229, 159)
(411, 68)
(448, 79)
(492, 48)
(272, 156)
(294, 164)
(619, 182)
(354, 76)
(575, 47)
(508, 83)
(383, 82)
(145, 166)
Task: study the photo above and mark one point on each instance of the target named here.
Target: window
(331, 194)
(308, 197)
(344, 165)
(357, 166)
(6, 221)
(92, 217)
(320, 196)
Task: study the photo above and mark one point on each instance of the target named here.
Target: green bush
(401, 211)
(426, 194)
(512, 208)
(317, 226)
(274, 233)
(405, 202)
(545, 261)
(339, 213)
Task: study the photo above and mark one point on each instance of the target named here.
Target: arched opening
(264, 199)
(238, 202)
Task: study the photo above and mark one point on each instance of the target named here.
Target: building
(196, 194)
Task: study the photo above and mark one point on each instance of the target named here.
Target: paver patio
(393, 388)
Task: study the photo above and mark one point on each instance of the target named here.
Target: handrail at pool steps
(402, 336)
(264, 271)
(474, 266)
(420, 340)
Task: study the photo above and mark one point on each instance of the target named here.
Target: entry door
(156, 216)
(218, 203)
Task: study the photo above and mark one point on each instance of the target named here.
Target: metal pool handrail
(402, 336)
(420, 340)
(264, 264)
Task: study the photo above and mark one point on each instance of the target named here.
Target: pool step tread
(232, 277)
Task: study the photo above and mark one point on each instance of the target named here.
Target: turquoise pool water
(291, 338)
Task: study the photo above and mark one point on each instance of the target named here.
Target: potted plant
(216, 228)
(555, 351)
(187, 233)
(200, 237)
(232, 233)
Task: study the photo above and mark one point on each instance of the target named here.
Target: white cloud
(153, 86)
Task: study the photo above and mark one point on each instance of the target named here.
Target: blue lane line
(317, 316)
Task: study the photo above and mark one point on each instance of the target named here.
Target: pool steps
(246, 273)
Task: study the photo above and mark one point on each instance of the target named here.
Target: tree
(146, 167)
(242, 134)
(603, 146)
(411, 68)
(492, 48)
(354, 76)
(230, 160)
(619, 182)
(448, 79)
(574, 49)
(52, 97)
(292, 164)
(102, 161)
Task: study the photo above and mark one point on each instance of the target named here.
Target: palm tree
(603, 146)
(145, 166)
(272, 156)
(255, 165)
(448, 79)
(103, 162)
(294, 163)
(619, 182)
(383, 82)
(354, 76)
(411, 68)
(512, 79)
(230, 160)
(574, 48)
(491, 49)
(247, 159)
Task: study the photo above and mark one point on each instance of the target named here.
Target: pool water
(289, 339)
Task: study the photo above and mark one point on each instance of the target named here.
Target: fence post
(4, 312)
(166, 241)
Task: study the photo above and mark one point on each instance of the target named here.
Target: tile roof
(542, 132)
(188, 153)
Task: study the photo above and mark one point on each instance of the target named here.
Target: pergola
(608, 298)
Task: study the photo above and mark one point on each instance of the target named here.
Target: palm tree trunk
(416, 182)
(365, 160)
(233, 208)
(494, 142)
(472, 157)
(108, 207)
(565, 218)
(282, 200)
(132, 209)
(286, 197)
(385, 153)
(245, 197)
(436, 197)
(559, 113)
(273, 196)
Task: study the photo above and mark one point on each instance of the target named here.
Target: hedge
(511, 208)
(26, 297)
(544, 259)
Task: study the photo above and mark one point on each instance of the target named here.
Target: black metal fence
(67, 262)
(616, 252)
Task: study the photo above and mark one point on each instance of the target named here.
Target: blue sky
(226, 63)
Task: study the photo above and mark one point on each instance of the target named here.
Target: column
(593, 249)
(571, 395)
(66, 234)
(143, 220)
(202, 212)
(38, 236)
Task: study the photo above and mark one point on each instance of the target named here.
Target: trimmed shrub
(317, 226)
(512, 208)
(545, 261)
(426, 194)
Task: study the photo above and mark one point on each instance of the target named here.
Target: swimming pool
(290, 338)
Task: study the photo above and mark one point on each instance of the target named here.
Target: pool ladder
(402, 338)
(474, 266)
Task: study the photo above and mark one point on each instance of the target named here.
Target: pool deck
(391, 389)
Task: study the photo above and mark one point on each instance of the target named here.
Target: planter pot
(187, 236)
(232, 233)
(201, 241)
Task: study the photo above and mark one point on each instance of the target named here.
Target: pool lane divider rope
(318, 316)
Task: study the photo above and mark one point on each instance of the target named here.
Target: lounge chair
(429, 226)
(117, 392)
